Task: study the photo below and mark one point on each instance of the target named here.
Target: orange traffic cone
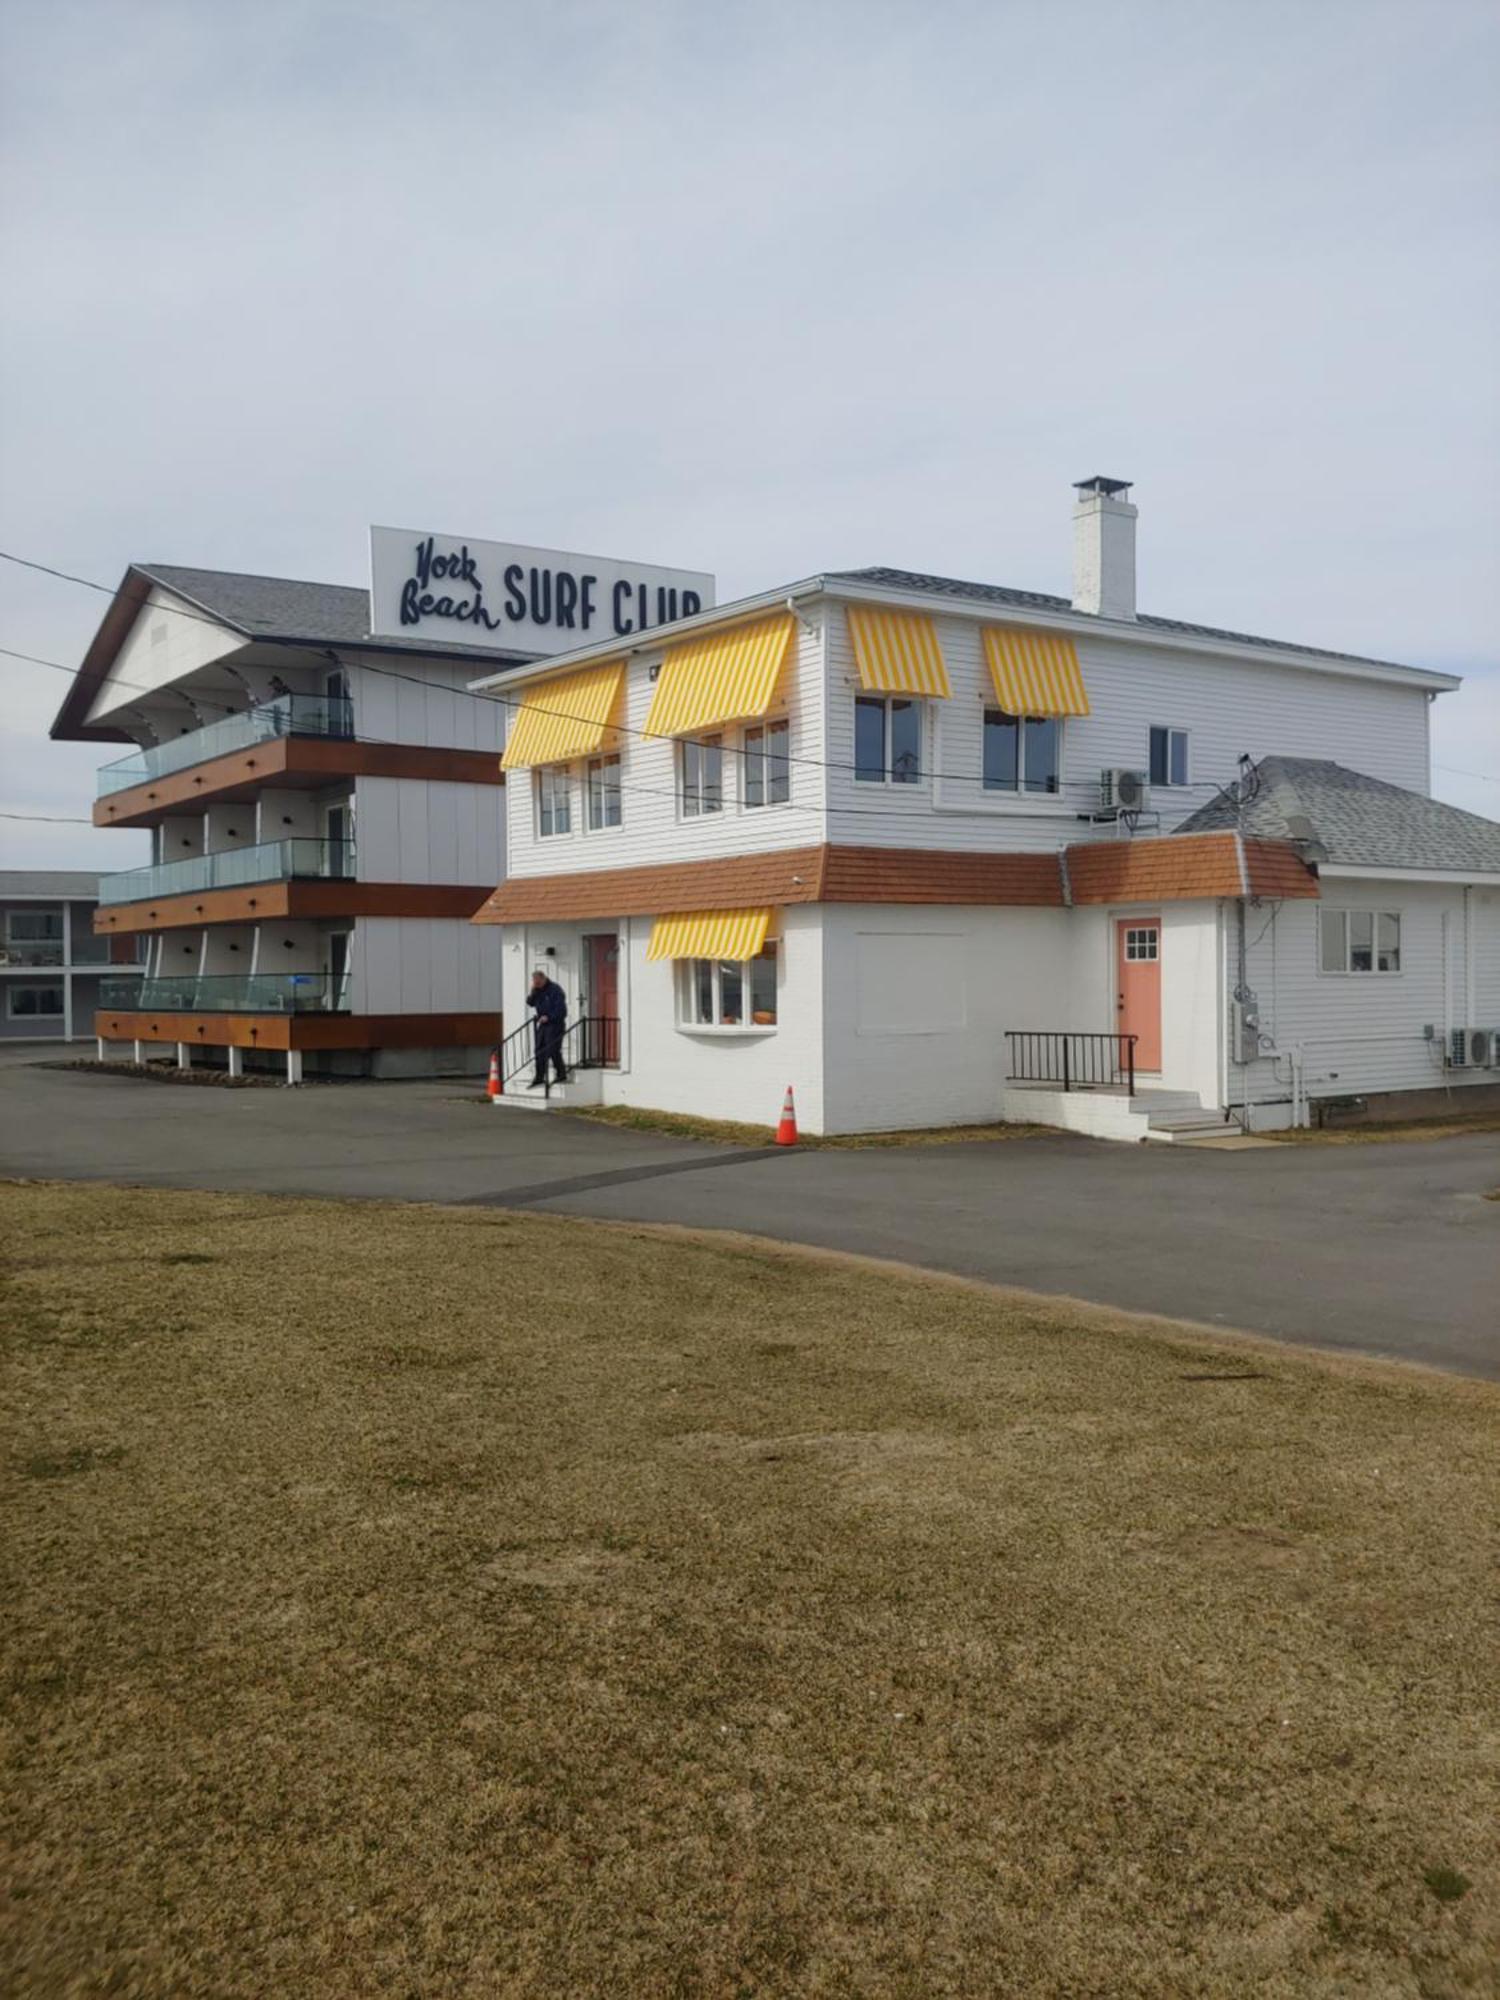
(786, 1131)
(492, 1088)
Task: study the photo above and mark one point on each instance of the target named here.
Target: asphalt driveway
(1384, 1249)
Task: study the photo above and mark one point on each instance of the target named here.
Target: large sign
(466, 593)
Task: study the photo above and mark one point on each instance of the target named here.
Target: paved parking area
(1384, 1249)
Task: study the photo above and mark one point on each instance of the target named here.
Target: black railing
(1071, 1062)
(591, 1042)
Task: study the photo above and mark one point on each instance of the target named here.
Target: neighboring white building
(912, 845)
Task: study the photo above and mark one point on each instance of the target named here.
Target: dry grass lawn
(435, 1602)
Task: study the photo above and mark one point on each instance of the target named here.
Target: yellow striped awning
(732, 934)
(722, 677)
(1035, 673)
(897, 652)
(565, 718)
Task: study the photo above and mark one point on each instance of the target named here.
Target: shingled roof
(1036, 600)
(1341, 816)
(296, 613)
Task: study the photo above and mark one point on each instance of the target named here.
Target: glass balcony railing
(232, 868)
(230, 993)
(39, 953)
(287, 715)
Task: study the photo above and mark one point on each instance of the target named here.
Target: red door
(1138, 986)
(601, 958)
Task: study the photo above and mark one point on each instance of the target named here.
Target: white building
(929, 850)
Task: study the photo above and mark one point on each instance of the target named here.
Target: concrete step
(584, 1086)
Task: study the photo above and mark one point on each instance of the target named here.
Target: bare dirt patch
(441, 1602)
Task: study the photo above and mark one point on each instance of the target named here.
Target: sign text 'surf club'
(460, 592)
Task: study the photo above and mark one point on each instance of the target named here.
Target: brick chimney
(1104, 548)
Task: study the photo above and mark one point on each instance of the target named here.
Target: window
(717, 992)
(703, 775)
(1168, 759)
(1142, 946)
(1359, 941)
(768, 770)
(1022, 753)
(887, 740)
(31, 1003)
(603, 793)
(554, 801)
(33, 926)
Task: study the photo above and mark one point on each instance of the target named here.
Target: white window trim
(728, 795)
(901, 787)
(1347, 971)
(566, 771)
(743, 759)
(1008, 797)
(1167, 784)
(592, 832)
(716, 1030)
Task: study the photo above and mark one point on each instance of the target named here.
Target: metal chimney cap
(1111, 488)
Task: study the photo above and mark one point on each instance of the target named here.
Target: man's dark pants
(549, 1035)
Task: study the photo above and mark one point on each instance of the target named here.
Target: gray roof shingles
(1036, 600)
(286, 609)
(1358, 821)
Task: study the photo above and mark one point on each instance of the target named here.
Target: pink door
(602, 960)
(1138, 987)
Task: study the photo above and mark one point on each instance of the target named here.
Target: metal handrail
(590, 1042)
(285, 715)
(1072, 1061)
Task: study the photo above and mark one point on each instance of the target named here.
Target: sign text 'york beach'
(439, 587)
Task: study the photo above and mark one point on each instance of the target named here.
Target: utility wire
(510, 702)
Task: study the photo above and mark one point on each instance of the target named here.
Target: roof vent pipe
(1104, 548)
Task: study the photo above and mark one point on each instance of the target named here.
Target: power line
(1078, 787)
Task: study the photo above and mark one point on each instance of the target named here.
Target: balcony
(287, 715)
(40, 953)
(229, 993)
(233, 868)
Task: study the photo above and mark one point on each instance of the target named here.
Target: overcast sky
(758, 289)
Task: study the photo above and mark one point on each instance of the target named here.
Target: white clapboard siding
(1362, 1032)
(1227, 706)
(652, 829)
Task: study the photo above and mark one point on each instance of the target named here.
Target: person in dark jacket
(551, 1004)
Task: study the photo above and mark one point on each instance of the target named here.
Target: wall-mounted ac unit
(1124, 791)
(1458, 1049)
(1481, 1050)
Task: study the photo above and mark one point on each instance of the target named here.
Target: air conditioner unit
(1124, 791)
(1481, 1048)
(1458, 1049)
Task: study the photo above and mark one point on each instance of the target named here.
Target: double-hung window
(768, 769)
(1022, 753)
(603, 793)
(887, 740)
(730, 993)
(702, 766)
(1168, 761)
(1359, 940)
(554, 801)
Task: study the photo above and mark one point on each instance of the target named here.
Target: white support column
(236, 1061)
(294, 1066)
(99, 1048)
(138, 1056)
(184, 1055)
(67, 984)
